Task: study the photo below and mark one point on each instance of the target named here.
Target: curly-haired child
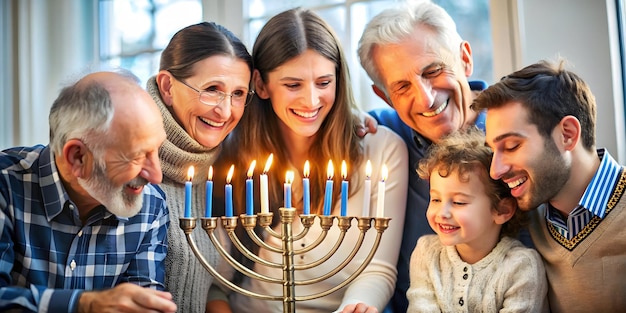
(473, 263)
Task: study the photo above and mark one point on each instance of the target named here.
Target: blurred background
(45, 43)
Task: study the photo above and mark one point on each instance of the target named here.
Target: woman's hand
(218, 306)
(359, 308)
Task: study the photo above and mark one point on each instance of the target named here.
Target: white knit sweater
(509, 279)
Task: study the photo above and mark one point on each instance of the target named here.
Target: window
(133, 33)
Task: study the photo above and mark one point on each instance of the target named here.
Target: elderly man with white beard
(82, 227)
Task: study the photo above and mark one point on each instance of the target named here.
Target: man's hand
(126, 297)
(369, 125)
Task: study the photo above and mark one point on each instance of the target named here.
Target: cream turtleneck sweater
(185, 277)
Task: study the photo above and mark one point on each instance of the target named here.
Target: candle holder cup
(287, 237)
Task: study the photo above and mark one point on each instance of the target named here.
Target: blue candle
(187, 213)
(229, 192)
(288, 179)
(344, 189)
(306, 197)
(328, 194)
(328, 197)
(344, 198)
(249, 190)
(208, 210)
(249, 195)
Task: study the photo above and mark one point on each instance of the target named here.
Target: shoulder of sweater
(383, 137)
(383, 131)
(515, 251)
(173, 190)
(428, 250)
(430, 243)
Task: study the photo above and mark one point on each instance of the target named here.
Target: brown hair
(197, 42)
(549, 93)
(284, 37)
(464, 153)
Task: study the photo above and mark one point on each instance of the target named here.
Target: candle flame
(330, 171)
(368, 169)
(306, 169)
(385, 172)
(344, 170)
(190, 173)
(289, 177)
(268, 163)
(251, 169)
(230, 173)
(210, 175)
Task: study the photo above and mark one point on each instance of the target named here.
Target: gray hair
(84, 111)
(393, 25)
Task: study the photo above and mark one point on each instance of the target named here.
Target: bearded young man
(541, 127)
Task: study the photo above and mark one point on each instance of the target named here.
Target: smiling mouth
(306, 114)
(517, 182)
(135, 189)
(440, 109)
(211, 123)
(447, 227)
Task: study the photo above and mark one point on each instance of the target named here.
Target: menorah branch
(286, 235)
(187, 225)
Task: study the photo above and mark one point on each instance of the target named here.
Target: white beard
(113, 198)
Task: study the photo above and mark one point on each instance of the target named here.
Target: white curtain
(44, 44)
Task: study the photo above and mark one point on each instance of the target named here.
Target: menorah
(287, 237)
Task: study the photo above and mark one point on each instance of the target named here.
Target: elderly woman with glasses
(201, 90)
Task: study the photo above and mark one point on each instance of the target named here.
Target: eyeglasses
(215, 97)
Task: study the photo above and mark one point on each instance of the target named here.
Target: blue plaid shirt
(48, 257)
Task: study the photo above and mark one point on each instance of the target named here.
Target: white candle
(264, 187)
(380, 208)
(367, 189)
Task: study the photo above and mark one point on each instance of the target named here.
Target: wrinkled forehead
(412, 56)
(430, 42)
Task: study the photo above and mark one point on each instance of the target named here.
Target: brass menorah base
(287, 216)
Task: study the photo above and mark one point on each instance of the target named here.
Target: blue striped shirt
(594, 200)
(48, 257)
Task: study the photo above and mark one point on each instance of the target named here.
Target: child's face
(462, 214)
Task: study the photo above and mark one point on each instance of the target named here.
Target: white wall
(582, 31)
